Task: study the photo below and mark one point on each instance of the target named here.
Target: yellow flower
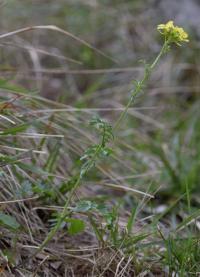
(166, 27)
(173, 33)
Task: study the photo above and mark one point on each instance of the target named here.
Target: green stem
(161, 53)
(134, 92)
(65, 209)
(138, 88)
(60, 219)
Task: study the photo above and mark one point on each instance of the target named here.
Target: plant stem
(61, 218)
(138, 88)
(134, 92)
(64, 213)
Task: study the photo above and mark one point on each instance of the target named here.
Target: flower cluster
(173, 34)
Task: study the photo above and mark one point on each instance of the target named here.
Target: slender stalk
(161, 53)
(64, 213)
(139, 86)
(60, 219)
(134, 92)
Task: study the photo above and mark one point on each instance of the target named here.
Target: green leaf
(84, 206)
(15, 130)
(75, 225)
(4, 84)
(25, 190)
(8, 221)
(131, 220)
(188, 220)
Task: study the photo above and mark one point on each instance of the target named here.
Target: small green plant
(172, 34)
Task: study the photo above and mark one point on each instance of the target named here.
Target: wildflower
(173, 33)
